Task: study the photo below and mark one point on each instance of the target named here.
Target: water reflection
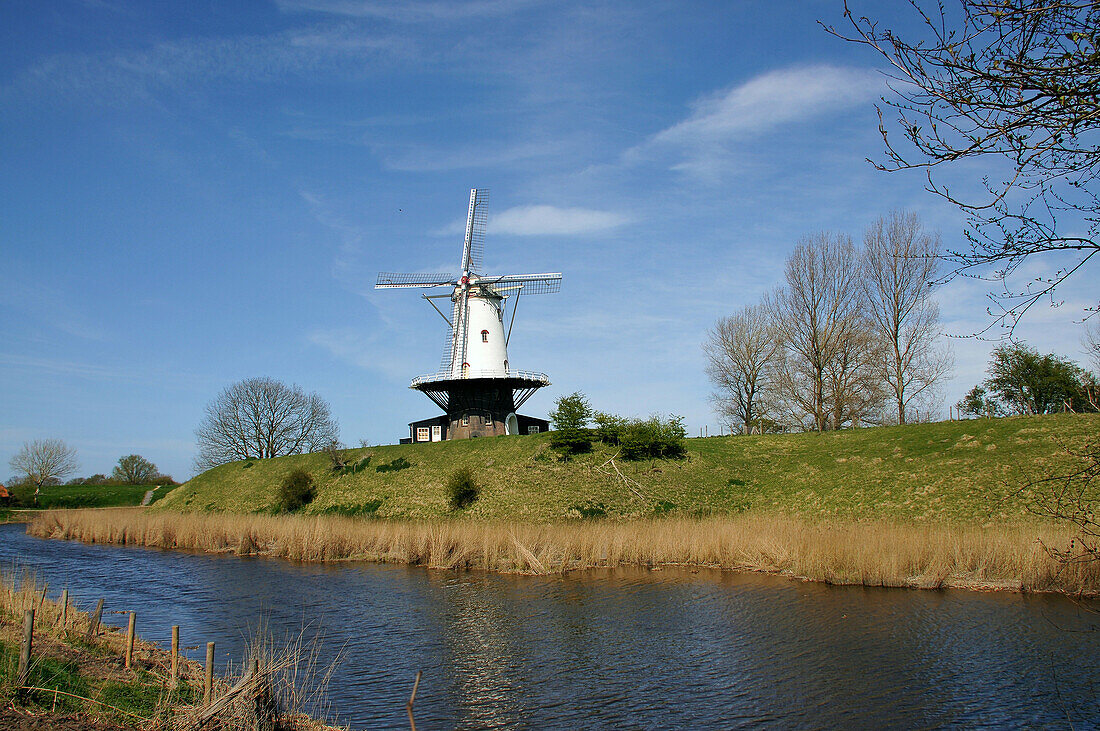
(615, 649)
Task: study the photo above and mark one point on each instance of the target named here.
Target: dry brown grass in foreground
(872, 554)
(95, 690)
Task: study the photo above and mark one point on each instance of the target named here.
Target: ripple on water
(626, 648)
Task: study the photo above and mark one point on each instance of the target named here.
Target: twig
(412, 699)
(632, 485)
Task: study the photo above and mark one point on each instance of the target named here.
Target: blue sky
(196, 193)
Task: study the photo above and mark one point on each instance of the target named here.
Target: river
(623, 649)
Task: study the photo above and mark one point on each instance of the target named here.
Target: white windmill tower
(476, 386)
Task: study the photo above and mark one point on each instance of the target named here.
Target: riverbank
(869, 553)
(78, 678)
(948, 472)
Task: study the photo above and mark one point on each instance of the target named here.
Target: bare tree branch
(259, 418)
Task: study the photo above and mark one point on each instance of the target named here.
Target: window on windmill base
(422, 434)
(484, 336)
(465, 421)
(533, 429)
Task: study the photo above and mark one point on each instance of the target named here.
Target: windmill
(475, 385)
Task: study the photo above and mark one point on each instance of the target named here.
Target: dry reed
(868, 553)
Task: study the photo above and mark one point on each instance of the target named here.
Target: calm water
(614, 649)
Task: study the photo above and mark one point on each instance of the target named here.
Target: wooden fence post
(93, 625)
(208, 683)
(25, 650)
(130, 639)
(175, 653)
(64, 609)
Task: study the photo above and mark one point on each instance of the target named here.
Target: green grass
(954, 471)
(86, 496)
(45, 672)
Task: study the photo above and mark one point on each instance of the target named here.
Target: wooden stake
(25, 652)
(208, 682)
(93, 626)
(130, 639)
(64, 609)
(412, 699)
(175, 653)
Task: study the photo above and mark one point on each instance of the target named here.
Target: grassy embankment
(957, 472)
(94, 689)
(925, 505)
(86, 496)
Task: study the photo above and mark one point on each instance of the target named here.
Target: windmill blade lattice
(388, 280)
(477, 218)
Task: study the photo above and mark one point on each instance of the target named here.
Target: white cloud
(706, 139)
(551, 220)
(772, 99)
(406, 11)
(542, 221)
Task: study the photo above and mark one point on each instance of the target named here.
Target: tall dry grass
(873, 554)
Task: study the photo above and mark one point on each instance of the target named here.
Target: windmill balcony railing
(468, 374)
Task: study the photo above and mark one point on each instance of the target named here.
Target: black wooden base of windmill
(477, 407)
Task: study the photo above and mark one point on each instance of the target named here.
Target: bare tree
(740, 352)
(133, 469)
(44, 462)
(853, 376)
(261, 417)
(899, 268)
(813, 315)
(1092, 343)
(1017, 83)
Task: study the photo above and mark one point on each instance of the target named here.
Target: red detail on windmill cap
(465, 280)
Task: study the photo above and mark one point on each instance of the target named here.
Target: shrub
(609, 427)
(653, 438)
(296, 491)
(571, 434)
(395, 466)
(462, 489)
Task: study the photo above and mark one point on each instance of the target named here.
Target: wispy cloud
(542, 220)
(551, 220)
(109, 77)
(407, 11)
(758, 106)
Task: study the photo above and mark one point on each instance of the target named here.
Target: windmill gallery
(475, 385)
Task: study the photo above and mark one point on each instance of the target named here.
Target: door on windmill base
(437, 433)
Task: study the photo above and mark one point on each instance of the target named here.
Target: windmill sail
(477, 218)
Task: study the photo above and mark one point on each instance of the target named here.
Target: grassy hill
(949, 471)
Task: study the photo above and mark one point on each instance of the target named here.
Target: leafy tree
(571, 417)
(1017, 83)
(1025, 382)
(133, 469)
(261, 417)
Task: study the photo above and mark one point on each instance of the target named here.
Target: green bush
(296, 491)
(462, 489)
(395, 466)
(609, 427)
(654, 438)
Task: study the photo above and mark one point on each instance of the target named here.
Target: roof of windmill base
(515, 379)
